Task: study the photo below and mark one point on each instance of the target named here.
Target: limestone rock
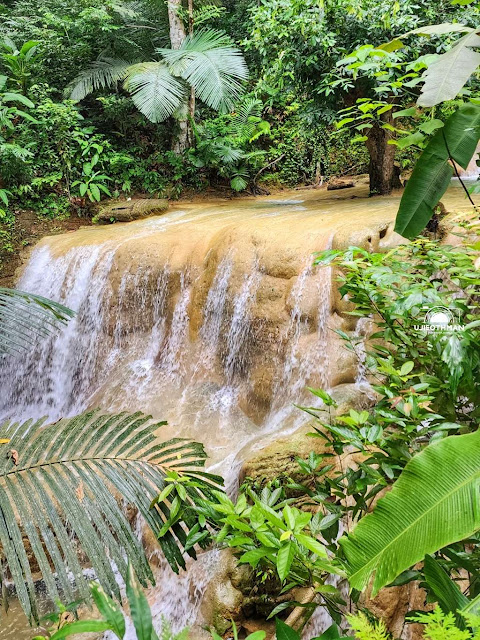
(392, 604)
(278, 457)
(128, 210)
(222, 602)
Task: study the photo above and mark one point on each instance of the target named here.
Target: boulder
(128, 210)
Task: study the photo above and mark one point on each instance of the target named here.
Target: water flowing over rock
(212, 317)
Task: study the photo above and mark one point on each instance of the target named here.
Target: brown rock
(337, 183)
(128, 210)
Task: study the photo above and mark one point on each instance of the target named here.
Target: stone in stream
(128, 210)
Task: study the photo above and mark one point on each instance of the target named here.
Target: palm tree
(62, 485)
(206, 62)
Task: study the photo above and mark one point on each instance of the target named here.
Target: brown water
(210, 316)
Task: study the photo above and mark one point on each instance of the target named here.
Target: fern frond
(25, 316)
(365, 630)
(59, 484)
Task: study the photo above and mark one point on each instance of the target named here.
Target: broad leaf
(433, 171)
(284, 632)
(435, 502)
(446, 76)
(284, 559)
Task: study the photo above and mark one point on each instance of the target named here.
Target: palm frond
(155, 92)
(247, 115)
(25, 316)
(59, 486)
(212, 65)
(103, 72)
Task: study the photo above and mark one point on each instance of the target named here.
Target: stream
(211, 317)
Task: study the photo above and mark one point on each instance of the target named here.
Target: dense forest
(104, 108)
(239, 348)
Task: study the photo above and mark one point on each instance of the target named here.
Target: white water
(131, 333)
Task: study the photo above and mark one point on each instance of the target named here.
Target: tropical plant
(19, 61)
(223, 146)
(454, 144)
(71, 471)
(278, 541)
(25, 316)
(207, 62)
(112, 616)
(433, 503)
(92, 182)
(417, 375)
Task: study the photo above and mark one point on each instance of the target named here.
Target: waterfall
(158, 329)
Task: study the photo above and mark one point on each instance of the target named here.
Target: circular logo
(439, 317)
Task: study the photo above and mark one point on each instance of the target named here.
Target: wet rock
(128, 210)
(223, 601)
(393, 603)
(278, 458)
(338, 183)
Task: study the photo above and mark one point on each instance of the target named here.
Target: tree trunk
(177, 30)
(177, 36)
(384, 175)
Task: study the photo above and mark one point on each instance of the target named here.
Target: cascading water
(212, 318)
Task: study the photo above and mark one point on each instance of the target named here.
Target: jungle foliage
(98, 102)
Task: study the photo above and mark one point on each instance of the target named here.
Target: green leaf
(284, 632)
(445, 77)
(211, 63)
(445, 590)
(411, 111)
(412, 139)
(332, 633)
(17, 97)
(431, 125)
(432, 173)
(109, 610)
(285, 557)
(155, 91)
(139, 607)
(95, 191)
(311, 544)
(406, 368)
(81, 626)
(254, 556)
(435, 502)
